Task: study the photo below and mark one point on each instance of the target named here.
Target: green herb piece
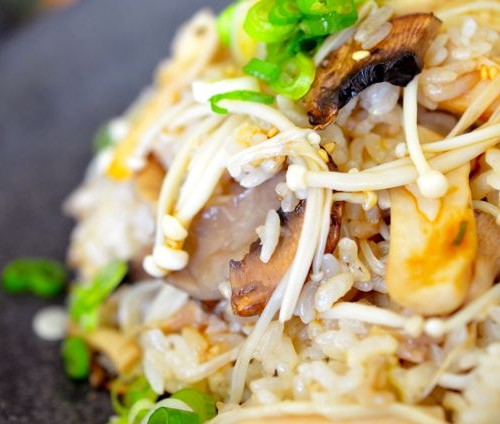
(263, 70)
(224, 24)
(285, 12)
(303, 43)
(324, 25)
(85, 300)
(165, 415)
(102, 139)
(138, 390)
(76, 357)
(243, 95)
(322, 7)
(42, 277)
(201, 403)
(260, 28)
(461, 234)
(297, 76)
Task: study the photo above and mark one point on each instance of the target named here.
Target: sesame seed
(360, 55)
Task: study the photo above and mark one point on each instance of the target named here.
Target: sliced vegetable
(297, 76)
(42, 277)
(396, 59)
(76, 356)
(303, 43)
(431, 257)
(201, 403)
(263, 70)
(258, 25)
(285, 12)
(323, 7)
(243, 95)
(165, 415)
(292, 30)
(137, 390)
(224, 24)
(328, 24)
(86, 299)
(461, 234)
(102, 139)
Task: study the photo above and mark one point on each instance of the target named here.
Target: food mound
(298, 221)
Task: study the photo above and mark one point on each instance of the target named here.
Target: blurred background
(15, 13)
(66, 66)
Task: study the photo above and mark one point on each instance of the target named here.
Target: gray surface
(59, 79)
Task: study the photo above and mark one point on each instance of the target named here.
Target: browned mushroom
(253, 281)
(487, 266)
(149, 180)
(396, 59)
(222, 231)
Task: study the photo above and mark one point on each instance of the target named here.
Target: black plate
(59, 79)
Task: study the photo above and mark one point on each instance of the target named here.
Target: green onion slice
(76, 357)
(323, 7)
(85, 300)
(243, 95)
(285, 12)
(461, 234)
(166, 415)
(331, 23)
(42, 277)
(102, 139)
(263, 70)
(201, 403)
(296, 77)
(258, 25)
(133, 392)
(224, 24)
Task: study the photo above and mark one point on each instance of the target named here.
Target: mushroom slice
(431, 258)
(396, 59)
(149, 180)
(222, 231)
(487, 266)
(253, 281)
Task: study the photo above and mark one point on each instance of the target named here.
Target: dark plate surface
(60, 78)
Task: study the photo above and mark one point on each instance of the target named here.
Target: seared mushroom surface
(222, 231)
(396, 59)
(253, 281)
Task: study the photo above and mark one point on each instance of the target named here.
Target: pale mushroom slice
(487, 266)
(431, 258)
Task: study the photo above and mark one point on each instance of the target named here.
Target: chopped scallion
(102, 139)
(322, 7)
(260, 28)
(297, 76)
(285, 12)
(41, 277)
(201, 403)
(243, 95)
(461, 234)
(224, 24)
(166, 415)
(323, 25)
(76, 356)
(85, 300)
(263, 70)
